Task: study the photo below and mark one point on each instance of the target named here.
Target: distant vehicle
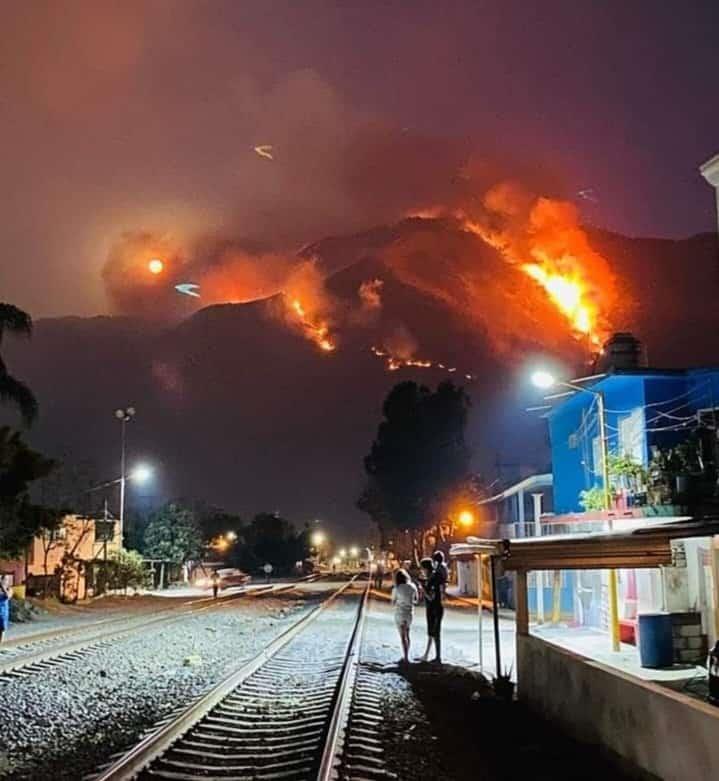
(229, 576)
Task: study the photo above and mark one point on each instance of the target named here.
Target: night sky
(144, 115)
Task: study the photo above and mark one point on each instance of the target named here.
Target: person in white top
(404, 598)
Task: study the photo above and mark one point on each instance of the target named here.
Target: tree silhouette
(419, 455)
(12, 390)
(20, 466)
(173, 535)
(274, 540)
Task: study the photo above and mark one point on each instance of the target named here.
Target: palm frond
(15, 320)
(16, 392)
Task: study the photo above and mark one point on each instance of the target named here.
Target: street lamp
(354, 551)
(140, 474)
(231, 536)
(466, 518)
(545, 380)
(124, 416)
(318, 539)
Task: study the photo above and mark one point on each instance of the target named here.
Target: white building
(710, 171)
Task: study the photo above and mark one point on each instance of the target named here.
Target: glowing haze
(537, 235)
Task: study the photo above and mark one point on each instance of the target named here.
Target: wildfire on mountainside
(544, 238)
(561, 293)
(319, 333)
(395, 362)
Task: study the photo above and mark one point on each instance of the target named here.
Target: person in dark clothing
(432, 585)
(379, 575)
(215, 583)
(441, 570)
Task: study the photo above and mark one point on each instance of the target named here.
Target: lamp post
(139, 474)
(545, 380)
(124, 416)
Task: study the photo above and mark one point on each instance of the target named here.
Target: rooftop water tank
(622, 351)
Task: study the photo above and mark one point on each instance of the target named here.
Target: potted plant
(503, 686)
(627, 476)
(592, 499)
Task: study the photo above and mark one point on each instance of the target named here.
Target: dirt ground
(456, 729)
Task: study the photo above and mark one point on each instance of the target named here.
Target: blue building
(644, 409)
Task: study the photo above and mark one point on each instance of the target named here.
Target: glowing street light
(156, 266)
(318, 539)
(231, 536)
(354, 551)
(342, 553)
(141, 473)
(466, 518)
(543, 379)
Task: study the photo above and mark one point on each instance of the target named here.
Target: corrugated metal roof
(533, 481)
(647, 545)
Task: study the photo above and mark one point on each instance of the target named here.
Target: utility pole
(612, 575)
(124, 416)
(544, 379)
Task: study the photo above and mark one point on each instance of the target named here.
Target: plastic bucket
(656, 648)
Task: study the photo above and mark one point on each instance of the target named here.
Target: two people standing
(434, 576)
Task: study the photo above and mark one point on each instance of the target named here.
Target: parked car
(229, 576)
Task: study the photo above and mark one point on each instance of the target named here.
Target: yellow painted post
(556, 595)
(613, 610)
(480, 589)
(715, 583)
(613, 600)
(522, 612)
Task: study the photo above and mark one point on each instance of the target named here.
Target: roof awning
(534, 481)
(647, 546)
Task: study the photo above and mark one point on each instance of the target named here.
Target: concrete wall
(665, 733)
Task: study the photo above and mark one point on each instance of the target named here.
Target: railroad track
(54, 649)
(282, 715)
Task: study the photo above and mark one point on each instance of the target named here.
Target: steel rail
(159, 741)
(332, 753)
(104, 627)
(107, 629)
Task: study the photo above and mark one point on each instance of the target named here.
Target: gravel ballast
(444, 723)
(63, 722)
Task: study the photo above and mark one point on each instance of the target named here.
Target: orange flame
(561, 275)
(544, 238)
(394, 363)
(319, 333)
(567, 293)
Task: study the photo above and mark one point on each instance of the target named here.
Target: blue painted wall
(667, 403)
(574, 433)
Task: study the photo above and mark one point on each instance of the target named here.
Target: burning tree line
(418, 468)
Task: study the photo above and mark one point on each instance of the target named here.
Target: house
(660, 427)
(515, 510)
(710, 171)
(647, 412)
(61, 562)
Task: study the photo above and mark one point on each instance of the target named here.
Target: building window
(597, 456)
(631, 436)
(708, 417)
